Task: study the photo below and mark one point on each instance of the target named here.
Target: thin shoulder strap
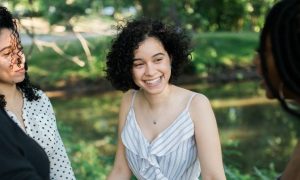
(133, 97)
(190, 100)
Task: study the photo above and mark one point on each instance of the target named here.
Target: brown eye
(138, 65)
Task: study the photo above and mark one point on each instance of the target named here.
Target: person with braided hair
(27, 107)
(278, 63)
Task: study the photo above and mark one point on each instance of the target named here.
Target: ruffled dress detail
(172, 155)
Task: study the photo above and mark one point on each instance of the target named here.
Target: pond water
(255, 132)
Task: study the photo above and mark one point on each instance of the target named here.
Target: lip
(22, 70)
(153, 82)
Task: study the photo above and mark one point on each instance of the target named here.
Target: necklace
(151, 118)
(154, 120)
(148, 110)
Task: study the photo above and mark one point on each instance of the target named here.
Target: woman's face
(12, 60)
(273, 74)
(151, 66)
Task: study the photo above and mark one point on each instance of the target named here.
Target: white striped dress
(170, 156)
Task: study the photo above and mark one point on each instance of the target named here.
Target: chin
(19, 80)
(153, 91)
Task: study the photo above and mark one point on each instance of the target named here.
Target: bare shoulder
(126, 102)
(200, 108)
(200, 100)
(127, 97)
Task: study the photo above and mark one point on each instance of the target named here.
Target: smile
(153, 82)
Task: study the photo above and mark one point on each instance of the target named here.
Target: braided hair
(7, 21)
(282, 25)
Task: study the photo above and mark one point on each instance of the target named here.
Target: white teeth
(153, 81)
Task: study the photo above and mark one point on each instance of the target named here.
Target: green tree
(58, 11)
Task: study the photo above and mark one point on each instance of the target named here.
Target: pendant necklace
(154, 120)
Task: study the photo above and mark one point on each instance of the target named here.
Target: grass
(216, 51)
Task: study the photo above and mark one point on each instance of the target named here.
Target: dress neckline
(174, 122)
(163, 131)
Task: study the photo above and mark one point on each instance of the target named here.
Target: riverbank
(101, 85)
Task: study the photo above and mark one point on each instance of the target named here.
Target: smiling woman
(163, 128)
(30, 111)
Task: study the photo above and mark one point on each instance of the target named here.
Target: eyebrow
(7, 47)
(157, 54)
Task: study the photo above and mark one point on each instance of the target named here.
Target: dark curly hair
(282, 25)
(120, 57)
(7, 21)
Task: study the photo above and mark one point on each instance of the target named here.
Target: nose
(150, 69)
(18, 58)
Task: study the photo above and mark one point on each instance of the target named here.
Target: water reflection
(254, 131)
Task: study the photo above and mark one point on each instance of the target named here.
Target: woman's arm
(14, 165)
(60, 166)
(120, 169)
(15, 146)
(207, 139)
(292, 170)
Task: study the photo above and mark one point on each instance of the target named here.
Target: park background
(66, 41)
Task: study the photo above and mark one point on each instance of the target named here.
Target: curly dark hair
(7, 21)
(120, 57)
(282, 25)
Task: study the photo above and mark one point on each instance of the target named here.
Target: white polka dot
(40, 124)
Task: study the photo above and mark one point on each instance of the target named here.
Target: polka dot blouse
(40, 124)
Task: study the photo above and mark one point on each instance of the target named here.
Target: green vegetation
(88, 126)
(214, 54)
(51, 70)
(198, 15)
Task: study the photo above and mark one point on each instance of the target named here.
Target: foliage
(229, 15)
(63, 11)
(213, 53)
(199, 15)
(233, 173)
(49, 69)
(252, 149)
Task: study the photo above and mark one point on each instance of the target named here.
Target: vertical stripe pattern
(170, 156)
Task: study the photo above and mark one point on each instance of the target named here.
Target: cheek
(5, 73)
(23, 58)
(273, 74)
(5, 65)
(167, 68)
(135, 74)
(256, 62)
